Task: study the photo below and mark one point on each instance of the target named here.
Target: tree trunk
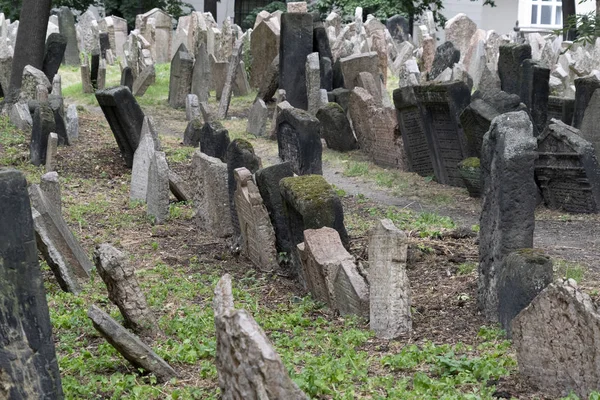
(30, 45)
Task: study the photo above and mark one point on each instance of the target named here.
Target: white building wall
(501, 18)
(225, 8)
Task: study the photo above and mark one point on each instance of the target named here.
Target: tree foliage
(248, 22)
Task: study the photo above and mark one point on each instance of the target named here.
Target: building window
(546, 13)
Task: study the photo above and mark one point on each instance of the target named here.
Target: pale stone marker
(157, 195)
(257, 118)
(51, 152)
(51, 188)
(192, 107)
(141, 166)
(313, 82)
(390, 288)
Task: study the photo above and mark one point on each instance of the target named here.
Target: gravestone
(127, 78)
(535, 91)
(235, 64)
(146, 78)
(141, 165)
(265, 43)
(446, 56)
(299, 141)
(180, 81)
(95, 68)
(591, 121)
(66, 26)
(510, 59)
(509, 200)
(335, 128)
(584, 89)
(270, 82)
(104, 40)
(295, 44)
(156, 26)
(55, 52)
(390, 296)
(267, 181)
(258, 235)
(193, 133)
(72, 123)
(567, 170)
(357, 63)
(86, 81)
(247, 364)
(326, 70)
(441, 105)
(257, 118)
(310, 203)
(32, 78)
(101, 80)
(313, 82)
(43, 125)
(214, 140)
(29, 365)
(561, 108)
(125, 118)
(21, 117)
(524, 274)
(555, 341)
(51, 152)
(398, 27)
(179, 187)
(240, 154)
(417, 141)
(61, 251)
(157, 194)
(192, 107)
(459, 30)
(51, 188)
(211, 196)
(201, 74)
(57, 86)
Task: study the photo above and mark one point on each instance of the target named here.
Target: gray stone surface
(446, 56)
(29, 365)
(390, 296)
(257, 118)
(357, 63)
(510, 59)
(295, 44)
(146, 78)
(192, 107)
(32, 77)
(247, 364)
(584, 90)
(299, 141)
(66, 26)
(265, 43)
(56, 45)
(201, 74)
(270, 82)
(157, 194)
(140, 168)
(51, 152)
(509, 200)
(313, 82)
(72, 123)
(193, 132)
(179, 187)
(335, 128)
(51, 187)
(234, 63)
(43, 125)
(214, 140)
(130, 346)
(20, 117)
(459, 30)
(180, 81)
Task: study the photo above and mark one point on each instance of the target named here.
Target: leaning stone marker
(51, 152)
(214, 140)
(180, 81)
(584, 90)
(56, 45)
(390, 288)
(234, 63)
(130, 346)
(140, 168)
(193, 132)
(556, 341)
(66, 26)
(535, 91)
(51, 187)
(510, 59)
(335, 128)
(125, 118)
(257, 118)
(295, 44)
(43, 125)
(28, 363)
(509, 200)
(247, 364)
(446, 56)
(157, 195)
(299, 141)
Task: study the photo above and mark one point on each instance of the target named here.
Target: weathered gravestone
(591, 122)
(193, 133)
(95, 69)
(561, 108)
(240, 153)
(270, 82)
(20, 116)
(509, 200)
(555, 338)
(357, 63)
(130, 346)
(57, 105)
(247, 364)
(330, 273)
(104, 40)
(313, 82)
(257, 118)
(265, 43)
(258, 235)
(66, 26)
(567, 170)
(267, 180)
(460, 29)
(510, 59)
(310, 203)
(32, 78)
(211, 196)
(201, 74)
(441, 105)
(146, 78)
(321, 46)
(51, 188)
(179, 187)
(477, 117)
(417, 140)
(214, 140)
(127, 78)
(299, 141)
(125, 118)
(51, 152)
(446, 56)
(295, 44)
(55, 51)
(180, 81)
(124, 290)
(524, 274)
(584, 89)
(28, 363)
(389, 286)
(398, 27)
(141, 165)
(335, 128)
(43, 125)
(157, 194)
(230, 79)
(192, 107)
(62, 252)
(535, 91)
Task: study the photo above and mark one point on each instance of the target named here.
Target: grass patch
(569, 270)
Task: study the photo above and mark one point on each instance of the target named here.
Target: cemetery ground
(451, 353)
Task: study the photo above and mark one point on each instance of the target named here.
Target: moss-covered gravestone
(214, 140)
(310, 203)
(470, 171)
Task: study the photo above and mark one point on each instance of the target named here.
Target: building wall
(501, 18)
(225, 8)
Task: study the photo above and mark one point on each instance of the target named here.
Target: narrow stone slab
(28, 363)
(335, 128)
(201, 74)
(257, 118)
(193, 132)
(43, 125)
(140, 168)
(179, 187)
(56, 44)
(72, 123)
(192, 107)
(180, 81)
(157, 195)
(214, 140)
(230, 78)
(130, 346)
(51, 187)
(145, 79)
(299, 141)
(510, 60)
(390, 288)
(127, 78)
(295, 44)
(51, 152)
(247, 364)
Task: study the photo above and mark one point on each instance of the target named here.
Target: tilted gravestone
(125, 118)
(257, 118)
(561, 108)
(441, 105)
(555, 341)
(267, 180)
(66, 26)
(180, 81)
(357, 63)
(43, 125)
(567, 170)
(235, 65)
(240, 153)
(57, 105)
(313, 82)
(509, 66)
(310, 203)
(535, 90)
(509, 200)
(265, 41)
(584, 89)
(524, 274)
(446, 56)
(270, 82)
(335, 128)
(210, 194)
(214, 140)
(51, 152)
(29, 366)
(55, 52)
(192, 107)
(51, 187)
(258, 235)
(201, 74)
(127, 78)
(193, 133)
(389, 296)
(299, 141)
(417, 140)
(141, 165)
(398, 27)
(157, 194)
(295, 44)
(141, 84)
